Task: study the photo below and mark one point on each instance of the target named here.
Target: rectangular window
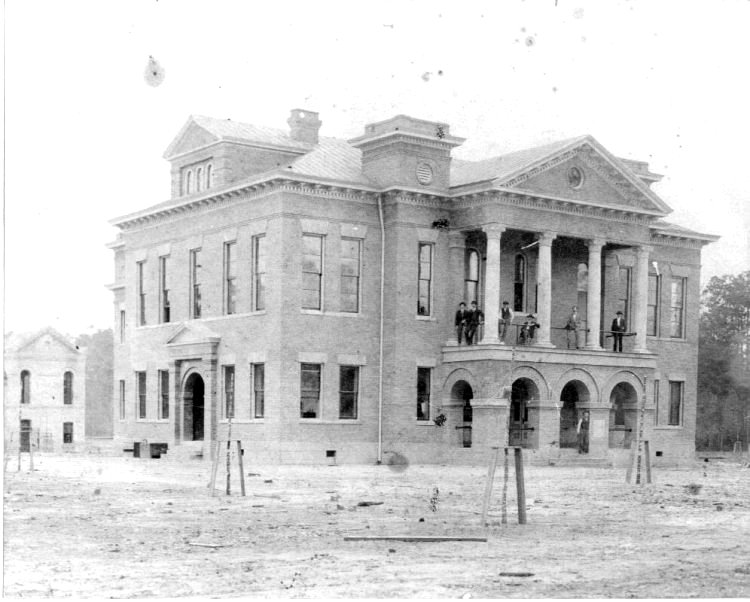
(163, 394)
(141, 268)
(424, 378)
(67, 432)
(424, 283)
(140, 389)
(195, 283)
(229, 391)
(312, 271)
(122, 326)
(68, 388)
(675, 403)
(230, 277)
(259, 390)
(351, 265)
(259, 272)
(656, 402)
(163, 291)
(652, 316)
(623, 295)
(122, 400)
(310, 390)
(677, 308)
(348, 392)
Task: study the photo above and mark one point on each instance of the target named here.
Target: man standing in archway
(582, 432)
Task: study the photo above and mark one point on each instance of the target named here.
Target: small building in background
(44, 391)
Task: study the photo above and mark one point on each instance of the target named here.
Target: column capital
(643, 249)
(593, 243)
(545, 238)
(456, 239)
(493, 230)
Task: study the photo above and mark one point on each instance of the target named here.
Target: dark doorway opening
(519, 427)
(572, 394)
(462, 394)
(25, 437)
(193, 403)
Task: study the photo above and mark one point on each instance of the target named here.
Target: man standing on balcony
(506, 319)
(475, 320)
(462, 316)
(572, 326)
(618, 327)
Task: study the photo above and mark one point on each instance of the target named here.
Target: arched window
(25, 386)
(198, 179)
(189, 182)
(519, 282)
(68, 388)
(209, 169)
(471, 280)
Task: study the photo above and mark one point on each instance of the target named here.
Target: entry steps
(187, 450)
(582, 460)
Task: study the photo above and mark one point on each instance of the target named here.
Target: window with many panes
(164, 311)
(67, 432)
(230, 277)
(195, 283)
(259, 390)
(122, 326)
(259, 272)
(652, 308)
(424, 378)
(519, 282)
(310, 390)
(351, 265)
(312, 271)
(163, 394)
(140, 275)
(140, 391)
(229, 391)
(68, 388)
(656, 402)
(677, 308)
(471, 280)
(348, 391)
(424, 279)
(675, 402)
(122, 400)
(623, 294)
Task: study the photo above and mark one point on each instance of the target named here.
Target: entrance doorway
(462, 394)
(193, 408)
(519, 429)
(622, 415)
(25, 437)
(573, 393)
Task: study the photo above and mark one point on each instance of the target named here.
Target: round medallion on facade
(424, 174)
(575, 177)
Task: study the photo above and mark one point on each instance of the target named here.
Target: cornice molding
(665, 240)
(541, 168)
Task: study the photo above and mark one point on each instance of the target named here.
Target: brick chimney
(304, 125)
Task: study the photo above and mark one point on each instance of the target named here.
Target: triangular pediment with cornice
(191, 334)
(47, 342)
(588, 174)
(192, 136)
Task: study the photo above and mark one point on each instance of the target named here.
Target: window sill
(426, 318)
(673, 427)
(321, 421)
(335, 314)
(151, 421)
(669, 339)
(242, 421)
(428, 422)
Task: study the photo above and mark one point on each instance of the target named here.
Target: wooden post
(637, 455)
(504, 507)
(242, 467)
(647, 458)
(214, 467)
(31, 453)
(520, 487)
(488, 485)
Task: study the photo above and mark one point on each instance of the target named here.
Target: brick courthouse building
(309, 284)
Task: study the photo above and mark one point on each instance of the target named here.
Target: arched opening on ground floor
(520, 427)
(623, 415)
(193, 408)
(573, 394)
(461, 396)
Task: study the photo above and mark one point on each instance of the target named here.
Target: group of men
(468, 321)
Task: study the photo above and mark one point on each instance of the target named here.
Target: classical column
(640, 298)
(594, 294)
(456, 261)
(492, 284)
(544, 288)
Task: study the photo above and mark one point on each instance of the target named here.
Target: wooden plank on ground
(418, 538)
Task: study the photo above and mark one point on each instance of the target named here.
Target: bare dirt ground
(85, 526)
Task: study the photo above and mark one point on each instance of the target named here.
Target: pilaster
(544, 284)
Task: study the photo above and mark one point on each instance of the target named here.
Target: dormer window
(196, 177)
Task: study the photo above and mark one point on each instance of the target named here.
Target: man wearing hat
(528, 328)
(618, 327)
(506, 319)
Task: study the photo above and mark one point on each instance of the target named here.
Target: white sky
(663, 82)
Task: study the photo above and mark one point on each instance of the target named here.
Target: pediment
(190, 137)
(588, 174)
(191, 334)
(47, 342)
